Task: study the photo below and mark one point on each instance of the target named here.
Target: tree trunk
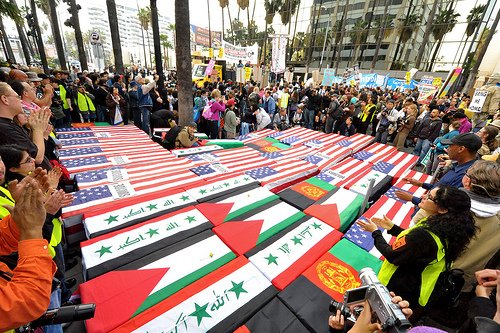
(430, 18)
(39, 41)
(209, 28)
(265, 44)
(3, 46)
(144, 48)
(57, 34)
(380, 36)
(473, 73)
(434, 55)
(230, 23)
(24, 40)
(78, 36)
(222, 17)
(294, 31)
(183, 59)
(149, 49)
(249, 31)
(339, 50)
(8, 47)
(115, 36)
(313, 35)
(157, 45)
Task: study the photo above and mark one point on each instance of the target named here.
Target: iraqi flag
(137, 286)
(397, 211)
(382, 184)
(374, 152)
(195, 150)
(283, 257)
(415, 190)
(396, 164)
(280, 176)
(339, 208)
(232, 184)
(250, 229)
(220, 302)
(230, 206)
(329, 277)
(274, 317)
(306, 193)
(110, 251)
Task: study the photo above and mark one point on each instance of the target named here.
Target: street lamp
(326, 36)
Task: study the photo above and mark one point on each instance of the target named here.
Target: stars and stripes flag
(415, 190)
(109, 151)
(398, 212)
(280, 176)
(135, 287)
(73, 129)
(286, 255)
(246, 231)
(75, 135)
(374, 153)
(128, 212)
(338, 208)
(344, 171)
(222, 156)
(104, 142)
(327, 157)
(112, 250)
(401, 162)
(301, 136)
(255, 135)
(219, 302)
(230, 206)
(309, 296)
(356, 142)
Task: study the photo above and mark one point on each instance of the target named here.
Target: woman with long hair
(415, 260)
(488, 136)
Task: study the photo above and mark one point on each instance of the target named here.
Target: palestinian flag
(345, 172)
(415, 190)
(274, 317)
(284, 156)
(287, 254)
(232, 184)
(309, 296)
(306, 193)
(280, 176)
(230, 206)
(399, 212)
(339, 208)
(195, 150)
(396, 164)
(250, 229)
(121, 295)
(219, 302)
(374, 152)
(107, 252)
(326, 158)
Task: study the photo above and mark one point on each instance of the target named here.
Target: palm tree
(8, 48)
(428, 26)
(115, 36)
(11, 11)
(444, 22)
(473, 20)
(166, 46)
(342, 32)
(384, 27)
(48, 7)
(22, 38)
(410, 25)
(245, 4)
(183, 59)
(222, 4)
(144, 16)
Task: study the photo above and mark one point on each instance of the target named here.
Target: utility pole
(75, 23)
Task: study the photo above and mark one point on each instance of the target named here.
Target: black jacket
(429, 129)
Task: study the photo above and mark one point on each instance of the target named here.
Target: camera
(389, 314)
(64, 314)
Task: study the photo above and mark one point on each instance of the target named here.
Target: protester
(85, 105)
(405, 126)
(261, 116)
(347, 128)
(387, 122)
(437, 148)
(186, 137)
(144, 100)
(230, 120)
(280, 121)
(488, 136)
(116, 103)
(426, 133)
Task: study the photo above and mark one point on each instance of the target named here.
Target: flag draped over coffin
(306, 193)
(396, 164)
(115, 249)
(255, 135)
(345, 173)
(122, 294)
(396, 211)
(285, 155)
(356, 142)
(374, 152)
(415, 190)
(230, 206)
(219, 302)
(233, 184)
(274, 317)
(254, 227)
(309, 296)
(122, 149)
(287, 254)
(338, 208)
(327, 157)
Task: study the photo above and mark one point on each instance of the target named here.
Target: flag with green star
(141, 284)
(382, 183)
(212, 189)
(107, 252)
(220, 302)
(287, 254)
(131, 211)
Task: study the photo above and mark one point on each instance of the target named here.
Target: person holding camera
(387, 122)
(281, 122)
(333, 115)
(437, 148)
(405, 126)
(186, 138)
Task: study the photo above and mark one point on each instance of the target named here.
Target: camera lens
(344, 310)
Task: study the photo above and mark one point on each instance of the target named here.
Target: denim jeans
(245, 128)
(145, 112)
(309, 118)
(137, 117)
(102, 113)
(55, 303)
(421, 149)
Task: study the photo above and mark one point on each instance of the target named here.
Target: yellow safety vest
(62, 93)
(5, 199)
(365, 115)
(284, 101)
(84, 103)
(430, 274)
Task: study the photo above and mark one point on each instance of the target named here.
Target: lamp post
(326, 36)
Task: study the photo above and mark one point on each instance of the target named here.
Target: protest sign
(478, 101)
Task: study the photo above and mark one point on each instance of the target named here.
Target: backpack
(172, 134)
(207, 111)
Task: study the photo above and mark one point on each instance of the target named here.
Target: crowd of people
(455, 224)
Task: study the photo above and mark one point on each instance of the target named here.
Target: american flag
(398, 212)
(374, 153)
(313, 143)
(280, 176)
(76, 135)
(359, 142)
(202, 158)
(80, 152)
(290, 140)
(273, 155)
(255, 135)
(391, 193)
(208, 170)
(275, 135)
(416, 190)
(298, 135)
(73, 129)
(109, 151)
(88, 163)
(345, 172)
(401, 162)
(327, 157)
(82, 142)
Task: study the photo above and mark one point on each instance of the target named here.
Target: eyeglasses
(429, 197)
(467, 174)
(29, 159)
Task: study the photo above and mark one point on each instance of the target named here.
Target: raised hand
(39, 175)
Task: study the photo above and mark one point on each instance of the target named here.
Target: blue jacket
(439, 146)
(144, 99)
(270, 105)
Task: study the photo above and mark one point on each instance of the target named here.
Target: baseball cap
(231, 102)
(133, 84)
(459, 115)
(468, 140)
(335, 95)
(193, 124)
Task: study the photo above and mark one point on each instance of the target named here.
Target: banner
(478, 101)
(328, 77)
(210, 67)
(279, 54)
(410, 74)
(427, 92)
(357, 76)
(233, 53)
(452, 79)
(368, 81)
(426, 80)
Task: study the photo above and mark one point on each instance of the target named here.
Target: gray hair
(137, 78)
(485, 178)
